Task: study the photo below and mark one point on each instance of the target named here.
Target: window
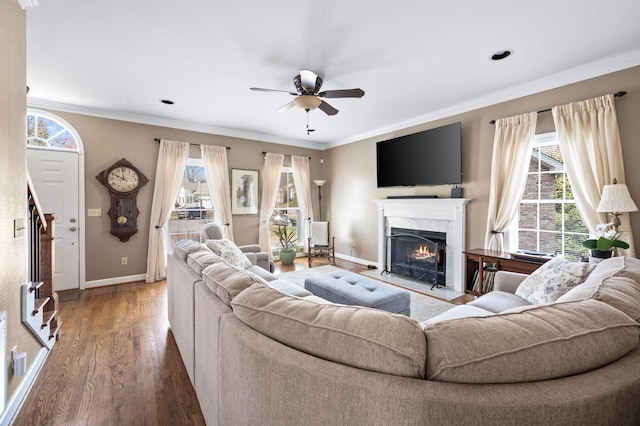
(193, 206)
(43, 130)
(287, 212)
(548, 220)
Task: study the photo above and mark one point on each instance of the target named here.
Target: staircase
(43, 323)
(39, 299)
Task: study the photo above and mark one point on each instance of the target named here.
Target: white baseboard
(355, 259)
(20, 394)
(114, 281)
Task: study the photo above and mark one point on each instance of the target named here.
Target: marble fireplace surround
(446, 215)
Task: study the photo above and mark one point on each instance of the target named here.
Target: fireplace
(418, 254)
(436, 215)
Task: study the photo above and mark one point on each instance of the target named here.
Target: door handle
(73, 228)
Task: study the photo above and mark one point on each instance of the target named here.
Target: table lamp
(617, 200)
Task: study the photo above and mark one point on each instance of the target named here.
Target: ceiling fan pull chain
(308, 129)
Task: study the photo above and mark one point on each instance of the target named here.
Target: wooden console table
(501, 261)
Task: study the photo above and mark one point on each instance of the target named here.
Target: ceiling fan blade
(260, 89)
(308, 80)
(346, 93)
(286, 107)
(328, 109)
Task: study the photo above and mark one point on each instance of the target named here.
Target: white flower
(607, 230)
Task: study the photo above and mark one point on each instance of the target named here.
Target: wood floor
(116, 362)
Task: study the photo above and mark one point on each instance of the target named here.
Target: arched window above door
(47, 131)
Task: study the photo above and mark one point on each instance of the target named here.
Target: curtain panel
(172, 159)
(302, 181)
(590, 144)
(512, 146)
(270, 184)
(216, 169)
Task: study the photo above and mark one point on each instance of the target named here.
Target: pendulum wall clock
(123, 181)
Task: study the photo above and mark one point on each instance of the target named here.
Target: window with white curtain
(193, 206)
(548, 220)
(287, 211)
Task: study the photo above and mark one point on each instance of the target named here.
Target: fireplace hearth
(418, 255)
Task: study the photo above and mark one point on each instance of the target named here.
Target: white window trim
(68, 127)
(511, 232)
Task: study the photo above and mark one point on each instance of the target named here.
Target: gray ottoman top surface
(352, 289)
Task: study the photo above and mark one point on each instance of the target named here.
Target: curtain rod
(195, 144)
(286, 155)
(617, 95)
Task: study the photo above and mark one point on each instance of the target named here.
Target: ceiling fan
(307, 94)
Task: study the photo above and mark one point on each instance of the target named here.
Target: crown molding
(604, 66)
(170, 123)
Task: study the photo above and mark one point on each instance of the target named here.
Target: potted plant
(603, 246)
(287, 237)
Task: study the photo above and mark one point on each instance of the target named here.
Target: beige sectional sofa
(261, 356)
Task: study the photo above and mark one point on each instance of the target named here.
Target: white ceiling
(416, 60)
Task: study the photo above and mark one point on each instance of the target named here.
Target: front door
(55, 178)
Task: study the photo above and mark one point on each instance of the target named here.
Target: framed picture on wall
(244, 191)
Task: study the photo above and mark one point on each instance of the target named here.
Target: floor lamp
(319, 183)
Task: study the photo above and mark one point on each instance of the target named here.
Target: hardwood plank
(116, 363)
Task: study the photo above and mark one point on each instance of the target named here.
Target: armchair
(320, 244)
(213, 231)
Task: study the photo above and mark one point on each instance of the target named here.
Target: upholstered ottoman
(352, 289)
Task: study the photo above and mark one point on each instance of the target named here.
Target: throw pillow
(227, 250)
(553, 279)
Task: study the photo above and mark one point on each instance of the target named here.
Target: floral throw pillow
(227, 250)
(553, 279)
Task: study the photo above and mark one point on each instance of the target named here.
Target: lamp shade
(307, 102)
(319, 182)
(616, 199)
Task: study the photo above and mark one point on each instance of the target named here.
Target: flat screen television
(431, 157)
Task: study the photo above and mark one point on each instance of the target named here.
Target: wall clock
(123, 181)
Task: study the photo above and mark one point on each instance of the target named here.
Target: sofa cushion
(261, 272)
(541, 343)
(200, 259)
(227, 250)
(615, 282)
(361, 337)
(460, 311)
(289, 288)
(498, 301)
(183, 247)
(621, 266)
(553, 279)
(227, 281)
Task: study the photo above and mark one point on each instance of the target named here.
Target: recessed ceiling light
(166, 101)
(501, 54)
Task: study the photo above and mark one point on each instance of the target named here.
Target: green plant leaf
(620, 244)
(604, 244)
(590, 244)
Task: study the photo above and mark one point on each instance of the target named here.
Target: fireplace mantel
(428, 214)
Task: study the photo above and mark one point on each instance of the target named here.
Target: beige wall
(13, 181)
(351, 169)
(106, 141)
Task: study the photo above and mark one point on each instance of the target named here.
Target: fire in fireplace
(419, 255)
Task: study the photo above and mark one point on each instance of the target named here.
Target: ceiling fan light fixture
(307, 102)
